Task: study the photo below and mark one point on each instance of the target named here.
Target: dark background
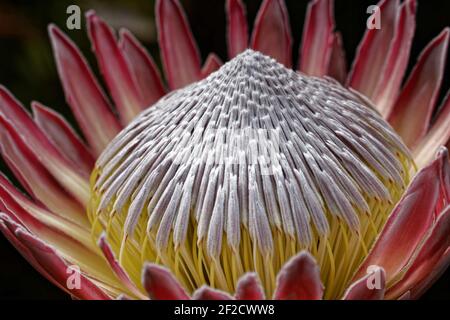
(28, 70)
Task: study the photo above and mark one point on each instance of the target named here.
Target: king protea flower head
(249, 180)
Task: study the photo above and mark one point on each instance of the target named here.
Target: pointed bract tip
(300, 279)
(52, 28)
(92, 19)
(57, 35)
(160, 283)
(102, 239)
(442, 37)
(91, 14)
(249, 288)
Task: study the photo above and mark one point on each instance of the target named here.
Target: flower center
(242, 170)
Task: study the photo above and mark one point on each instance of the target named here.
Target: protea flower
(249, 180)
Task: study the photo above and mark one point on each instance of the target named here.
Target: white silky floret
(256, 145)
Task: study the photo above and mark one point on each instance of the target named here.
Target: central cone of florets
(242, 170)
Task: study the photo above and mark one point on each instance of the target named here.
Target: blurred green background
(28, 70)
